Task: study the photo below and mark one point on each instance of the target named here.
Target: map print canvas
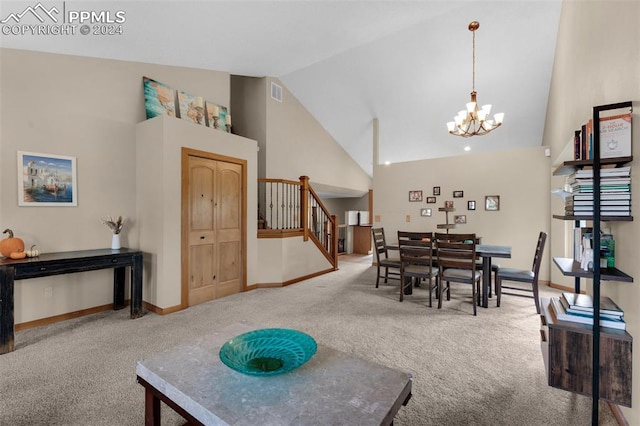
(159, 99)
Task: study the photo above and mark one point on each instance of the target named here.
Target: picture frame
(436, 190)
(415, 196)
(425, 212)
(431, 200)
(448, 204)
(47, 180)
(492, 202)
(458, 194)
(460, 219)
(471, 205)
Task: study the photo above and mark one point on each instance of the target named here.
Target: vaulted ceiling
(407, 63)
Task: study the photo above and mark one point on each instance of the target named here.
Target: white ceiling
(408, 63)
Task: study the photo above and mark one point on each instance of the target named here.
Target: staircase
(288, 208)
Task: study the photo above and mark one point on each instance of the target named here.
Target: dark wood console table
(66, 263)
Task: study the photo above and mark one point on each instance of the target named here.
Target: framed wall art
(460, 219)
(415, 196)
(425, 212)
(46, 180)
(458, 194)
(492, 202)
(436, 190)
(471, 205)
(431, 200)
(448, 204)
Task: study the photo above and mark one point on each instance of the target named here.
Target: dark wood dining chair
(528, 276)
(457, 262)
(416, 263)
(391, 264)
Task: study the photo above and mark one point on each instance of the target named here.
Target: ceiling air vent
(276, 92)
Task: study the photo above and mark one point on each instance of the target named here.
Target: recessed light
(467, 148)
(386, 163)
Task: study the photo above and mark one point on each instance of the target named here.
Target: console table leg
(118, 288)
(6, 310)
(151, 408)
(136, 287)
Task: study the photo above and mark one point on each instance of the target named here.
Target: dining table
(487, 252)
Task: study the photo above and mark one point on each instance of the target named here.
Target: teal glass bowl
(268, 351)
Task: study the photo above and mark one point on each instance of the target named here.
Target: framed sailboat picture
(46, 180)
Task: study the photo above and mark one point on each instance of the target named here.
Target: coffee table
(332, 388)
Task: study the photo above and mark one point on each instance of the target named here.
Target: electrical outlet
(48, 292)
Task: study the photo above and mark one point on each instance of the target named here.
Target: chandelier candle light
(474, 120)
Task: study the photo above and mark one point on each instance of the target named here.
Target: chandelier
(474, 120)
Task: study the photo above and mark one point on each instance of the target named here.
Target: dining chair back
(390, 264)
(457, 262)
(414, 236)
(528, 276)
(416, 263)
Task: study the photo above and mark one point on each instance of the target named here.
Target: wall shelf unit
(574, 353)
(446, 225)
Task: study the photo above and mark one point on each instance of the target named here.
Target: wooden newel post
(304, 205)
(334, 240)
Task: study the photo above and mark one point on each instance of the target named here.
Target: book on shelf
(563, 315)
(626, 195)
(604, 171)
(602, 213)
(568, 309)
(584, 302)
(577, 151)
(615, 136)
(578, 202)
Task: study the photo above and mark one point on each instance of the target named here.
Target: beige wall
(598, 62)
(292, 143)
(298, 145)
(159, 210)
(519, 177)
(87, 108)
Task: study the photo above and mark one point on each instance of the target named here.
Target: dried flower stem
(114, 224)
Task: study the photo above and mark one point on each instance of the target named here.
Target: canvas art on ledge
(216, 116)
(191, 107)
(159, 99)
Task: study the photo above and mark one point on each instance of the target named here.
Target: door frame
(184, 205)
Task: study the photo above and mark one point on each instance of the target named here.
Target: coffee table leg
(151, 408)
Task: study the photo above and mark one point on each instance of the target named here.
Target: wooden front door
(215, 232)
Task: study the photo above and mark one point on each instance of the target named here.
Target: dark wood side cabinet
(66, 263)
(567, 349)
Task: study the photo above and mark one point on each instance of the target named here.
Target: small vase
(115, 242)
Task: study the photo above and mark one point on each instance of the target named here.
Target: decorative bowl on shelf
(268, 351)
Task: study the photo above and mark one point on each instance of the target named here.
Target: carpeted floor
(484, 370)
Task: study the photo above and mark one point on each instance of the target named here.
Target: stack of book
(579, 308)
(615, 192)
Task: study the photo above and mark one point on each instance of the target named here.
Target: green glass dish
(268, 351)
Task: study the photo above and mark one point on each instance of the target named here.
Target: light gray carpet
(484, 370)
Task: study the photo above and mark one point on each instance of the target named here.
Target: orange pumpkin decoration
(11, 244)
(18, 255)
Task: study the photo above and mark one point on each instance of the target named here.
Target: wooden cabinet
(568, 350)
(362, 239)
